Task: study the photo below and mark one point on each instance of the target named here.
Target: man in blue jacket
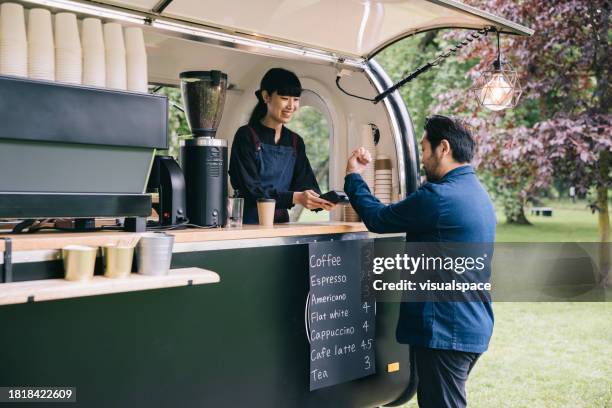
(446, 337)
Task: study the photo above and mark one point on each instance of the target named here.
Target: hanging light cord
(426, 67)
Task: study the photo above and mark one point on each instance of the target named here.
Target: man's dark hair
(459, 138)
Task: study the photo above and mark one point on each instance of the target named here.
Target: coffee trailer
(235, 335)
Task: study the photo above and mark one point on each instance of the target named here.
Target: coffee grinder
(203, 157)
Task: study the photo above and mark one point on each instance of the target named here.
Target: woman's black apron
(275, 165)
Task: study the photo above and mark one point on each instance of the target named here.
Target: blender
(203, 157)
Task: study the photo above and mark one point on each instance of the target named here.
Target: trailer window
(312, 124)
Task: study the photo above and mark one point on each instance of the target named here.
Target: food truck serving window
(313, 123)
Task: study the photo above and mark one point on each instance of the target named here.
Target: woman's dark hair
(459, 138)
(278, 80)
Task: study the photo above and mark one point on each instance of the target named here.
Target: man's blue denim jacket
(455, 209)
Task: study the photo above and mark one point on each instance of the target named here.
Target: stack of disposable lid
(383, 185)
(349, 214)
(99, 55)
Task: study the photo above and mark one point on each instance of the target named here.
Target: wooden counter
(57, 240)
(54, 289)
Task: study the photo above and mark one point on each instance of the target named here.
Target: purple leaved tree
(562, 126)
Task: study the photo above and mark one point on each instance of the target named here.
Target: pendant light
(499, 88)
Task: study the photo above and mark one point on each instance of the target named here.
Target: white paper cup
(134, 41)
(137, 78)
(14, 60)
(67, 31)
(12, 23)
(68, 65)
(41, 48)
(40, 29)
(136, 60)
(113, 37)
(91, 33)
(116, 70)
(94, 66)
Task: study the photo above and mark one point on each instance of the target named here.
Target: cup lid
(266, 200)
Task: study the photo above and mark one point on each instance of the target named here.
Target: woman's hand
(310, 199)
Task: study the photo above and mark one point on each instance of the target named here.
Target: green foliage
(177, 124)
(314, 129)
(407, 55)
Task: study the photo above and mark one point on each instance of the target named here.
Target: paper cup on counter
(79, 262)
(154, 253)
(265, 211)
(94, 58)
(117, 260)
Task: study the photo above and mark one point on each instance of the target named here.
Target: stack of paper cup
(384, 180)
(367, 141)
(116, 71)
(136, 60)
(94, 59)
(350, 215)
(41, 49)
(68, 56)
(13, 40)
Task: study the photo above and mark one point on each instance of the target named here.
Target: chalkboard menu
(340, 314)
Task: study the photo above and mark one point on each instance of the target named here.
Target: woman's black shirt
(244, 175)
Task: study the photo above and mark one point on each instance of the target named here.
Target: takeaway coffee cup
(265, 211)
(117, 261)
(154, 253)
(79, 262)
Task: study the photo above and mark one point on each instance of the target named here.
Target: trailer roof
(351, 28)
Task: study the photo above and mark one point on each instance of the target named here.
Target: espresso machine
(203, 157)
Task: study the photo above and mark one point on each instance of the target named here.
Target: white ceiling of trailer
(346, 27)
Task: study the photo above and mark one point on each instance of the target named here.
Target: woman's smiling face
(280, 107)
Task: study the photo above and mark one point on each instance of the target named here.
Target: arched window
(313, 123)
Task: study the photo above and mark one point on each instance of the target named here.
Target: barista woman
(268, 160)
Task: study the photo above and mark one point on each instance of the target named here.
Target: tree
(567, 93)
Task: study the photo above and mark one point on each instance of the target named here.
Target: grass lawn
(569, 223)
(547, 354)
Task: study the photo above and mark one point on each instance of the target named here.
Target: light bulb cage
(504, 73)
(501, 71)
